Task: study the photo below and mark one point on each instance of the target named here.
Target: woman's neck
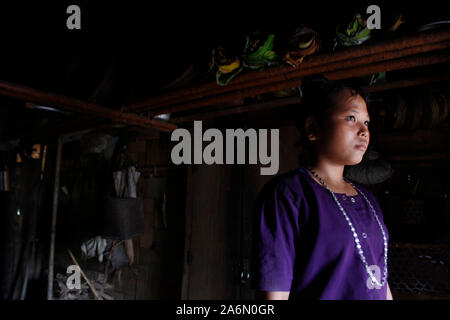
(332, 174)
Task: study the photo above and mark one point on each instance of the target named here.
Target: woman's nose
(363, 130)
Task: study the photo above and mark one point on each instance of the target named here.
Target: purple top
(304, 244)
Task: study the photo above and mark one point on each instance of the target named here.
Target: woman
(318, 235)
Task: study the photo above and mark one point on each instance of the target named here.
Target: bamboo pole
(402, 63)
(296, 100)
(78, 106)
(360, 62)
(97, 296)
(396, 47)
(53, 225)
(407, 83)
(187, 261)
(239, 109)
(44, 155)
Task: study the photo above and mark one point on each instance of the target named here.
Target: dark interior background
(205, 246)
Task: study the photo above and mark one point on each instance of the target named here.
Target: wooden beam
(354, 70)
(203, 115)
(436, 57)
(396, 64)
(407, 83)
(239, 109)
(318, 63)
(78, 106)
(62, 127)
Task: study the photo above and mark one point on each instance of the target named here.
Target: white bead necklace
(355, 235)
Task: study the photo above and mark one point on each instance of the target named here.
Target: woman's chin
(354, 162)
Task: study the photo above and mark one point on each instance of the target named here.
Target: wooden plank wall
(157, 271)
(213, 215)
(219, 219)
(221, 198)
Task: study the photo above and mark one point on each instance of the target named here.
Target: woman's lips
(362, 147)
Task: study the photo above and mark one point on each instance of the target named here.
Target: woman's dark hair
(318, 97)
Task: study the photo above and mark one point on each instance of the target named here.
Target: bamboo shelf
(420, 49)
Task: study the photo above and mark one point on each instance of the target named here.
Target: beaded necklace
(355, 235)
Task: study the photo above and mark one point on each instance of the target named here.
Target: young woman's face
(344, 136)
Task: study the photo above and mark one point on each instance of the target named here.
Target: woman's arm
(389, 293)
(272, 295)
(284, 295)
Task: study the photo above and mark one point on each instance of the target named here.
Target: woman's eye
(366, 123)
(351, 118)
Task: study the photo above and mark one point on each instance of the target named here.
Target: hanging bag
(124, 215)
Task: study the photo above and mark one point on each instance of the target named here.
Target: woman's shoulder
(291, 182)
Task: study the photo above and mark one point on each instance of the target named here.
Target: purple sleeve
(276, 232)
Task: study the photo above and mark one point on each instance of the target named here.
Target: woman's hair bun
(315, 85)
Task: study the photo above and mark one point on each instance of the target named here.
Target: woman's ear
(311, 128)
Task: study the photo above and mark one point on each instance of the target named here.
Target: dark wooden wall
(206, 244)
(219, 216)
(220, 201)
(157, 270)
